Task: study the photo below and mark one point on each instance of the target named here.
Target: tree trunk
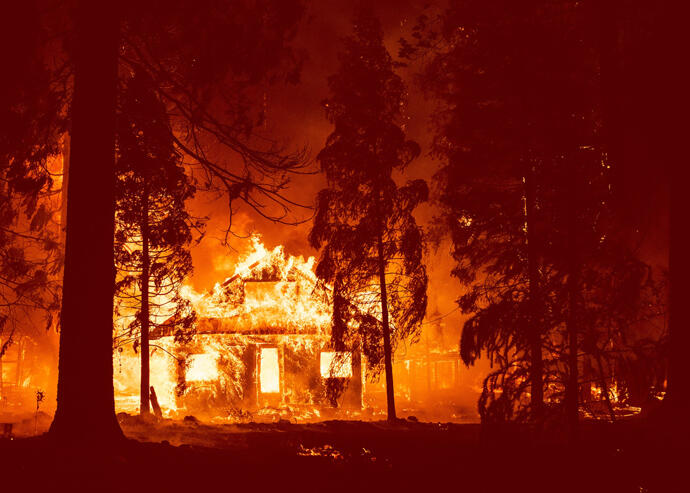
(572, 386)
(670, 138)
(355, 385)
(85, 403)
(387, 350)
(534, 331)
(667, 129)
(678, 391)
(18, 373)
(145, 317)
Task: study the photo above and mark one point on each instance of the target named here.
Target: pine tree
(86, 404)
(185, 48)
(371, 246)
(509, 107)
(525, 192)
(153, 229)
(31, 114)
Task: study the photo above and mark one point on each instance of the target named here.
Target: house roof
(273, 295)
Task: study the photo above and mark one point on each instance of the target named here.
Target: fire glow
(273, 303)
(202, 368)
(281, 296)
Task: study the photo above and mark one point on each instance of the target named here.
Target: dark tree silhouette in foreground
(500, 77)
(32, 121)
(525, 194)
(189, 50)
(153, 230)
(371, 244)
(212, 62)
(85, 408)
(647, 89)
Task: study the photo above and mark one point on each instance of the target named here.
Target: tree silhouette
(371, 246)
(647, 136)
(32, 121)
(525, 190)
(502, 76)
(169, 42)
(86, 408)
(209, 59)
(153, 230)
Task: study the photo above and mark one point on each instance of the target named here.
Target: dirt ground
(635, 456)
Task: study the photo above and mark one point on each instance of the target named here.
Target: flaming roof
(269, 293)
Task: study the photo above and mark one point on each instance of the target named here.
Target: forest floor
(636, 456)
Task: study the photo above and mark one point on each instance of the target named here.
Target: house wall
(219, 375)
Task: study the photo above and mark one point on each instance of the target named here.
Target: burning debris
(322, 451)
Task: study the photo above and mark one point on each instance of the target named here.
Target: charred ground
(640, 455)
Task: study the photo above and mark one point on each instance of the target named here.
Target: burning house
(261, 346)
(13, 383)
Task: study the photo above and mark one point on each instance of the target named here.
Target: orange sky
(296, 118)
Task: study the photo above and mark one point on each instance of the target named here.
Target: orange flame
(268, 293)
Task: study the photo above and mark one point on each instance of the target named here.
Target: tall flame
(269, 293)
(268, 290)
